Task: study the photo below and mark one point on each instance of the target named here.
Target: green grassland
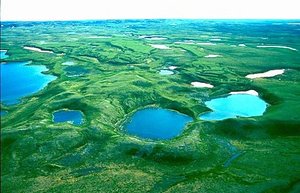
(257, 154)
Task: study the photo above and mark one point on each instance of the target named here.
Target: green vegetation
(121, 76)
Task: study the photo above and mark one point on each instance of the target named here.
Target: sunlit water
(166, 72)
(238, 105)
(3, 54)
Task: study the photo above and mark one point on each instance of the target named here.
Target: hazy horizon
(138, 19)
(67, 10)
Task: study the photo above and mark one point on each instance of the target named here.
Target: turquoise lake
(157, 123)
(166, 72)
(72, 116)
(19, 80)
(233, 106)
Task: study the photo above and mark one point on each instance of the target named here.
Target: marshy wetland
(116, 106)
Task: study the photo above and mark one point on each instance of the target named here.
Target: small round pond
(3, 54)
(166, 72)
(156, 123)
(72, 116)
(237, 105)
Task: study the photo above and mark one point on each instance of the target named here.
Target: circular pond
(156, 123)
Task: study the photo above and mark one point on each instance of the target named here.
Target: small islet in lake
(156, 123)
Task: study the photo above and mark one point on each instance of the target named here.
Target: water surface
(3, 113)
(19, 80)
(237, 105)
(72, 116)
(3, 54)
(156, 123)
(166, 72)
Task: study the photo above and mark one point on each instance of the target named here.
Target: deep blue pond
(19, 80)
(72, 116)
(238, 105)
(3, 113)
(156, 123)
(3, 54)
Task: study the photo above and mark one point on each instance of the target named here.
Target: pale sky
(141, 9)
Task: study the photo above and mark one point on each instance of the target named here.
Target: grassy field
(121, 75)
